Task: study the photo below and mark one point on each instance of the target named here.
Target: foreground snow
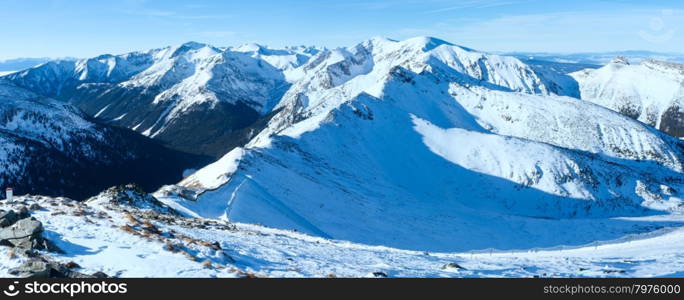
(92, 236)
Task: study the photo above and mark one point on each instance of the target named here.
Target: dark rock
(50, 246)
(59, 270)
(35, 207)
(133, 195)
(23, 228)
(672, 121)
(620, 60)
(7, 218)
(215, 246)
(452, 265)
(380, 274)
(26, 235)
(41, 267)
(34, 268)
(23, 212)
(100, 275)
(71, 265)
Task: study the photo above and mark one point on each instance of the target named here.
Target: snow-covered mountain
(283, 59)
(11, 65)
(193, 97)
(423, 144)
(417, 144)
(651, 91)
(598, 58)
(51, 148)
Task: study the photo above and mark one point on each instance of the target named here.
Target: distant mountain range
(598, 58)
(17, 64)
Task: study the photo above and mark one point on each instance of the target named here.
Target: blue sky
(79, 28)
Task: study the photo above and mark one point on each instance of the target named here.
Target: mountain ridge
(387, 138)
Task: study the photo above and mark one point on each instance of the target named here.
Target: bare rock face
(34, 268)
(620, 60)
(8, 218)
(26, 235)
(132, 195)
(41, 267)
(23, 232)
(23, 228)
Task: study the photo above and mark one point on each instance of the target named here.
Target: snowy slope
(555, 75)
(118, 240)
(381, 141)
(49, 147)
(182, 95)
(286, 59)
(651, 91)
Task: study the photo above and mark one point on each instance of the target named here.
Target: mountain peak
(190, 46)
(621, 60)
(426, 42)
(193, 45)
(249, 47)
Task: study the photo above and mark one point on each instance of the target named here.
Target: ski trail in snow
(276, 204)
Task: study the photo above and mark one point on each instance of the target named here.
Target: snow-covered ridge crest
(557, 120)
(376, 57)
(285, 59)
(332, 77)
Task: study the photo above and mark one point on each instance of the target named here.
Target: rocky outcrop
(23, 233)
(8, 218)
(41, 267)
(132, 195)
